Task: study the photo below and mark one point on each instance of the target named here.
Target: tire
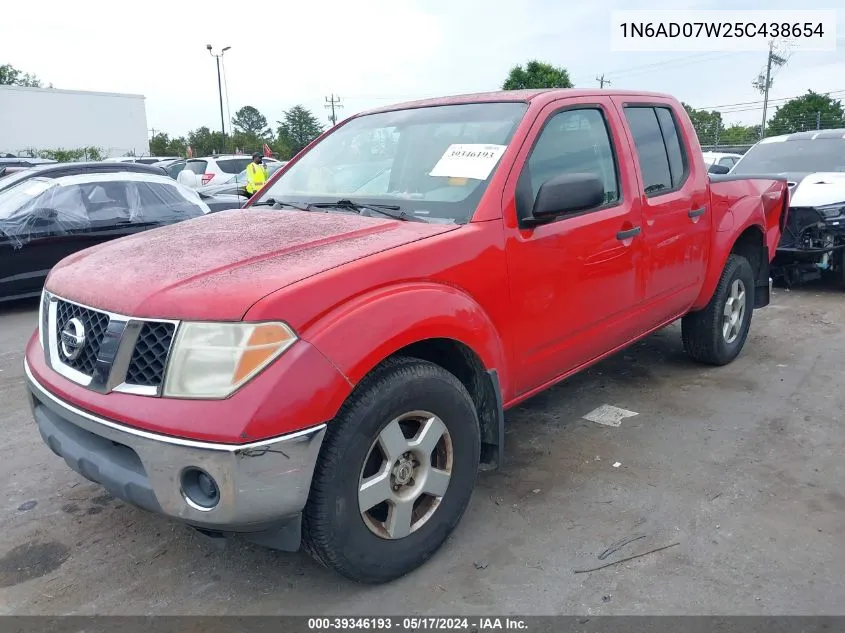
(702, 331)
(354, 543)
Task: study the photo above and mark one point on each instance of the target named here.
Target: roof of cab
(546, 94)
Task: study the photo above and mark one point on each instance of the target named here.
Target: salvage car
(813, 163)
(71, 169)
(213, 170)
(332, 370)
(44, 219)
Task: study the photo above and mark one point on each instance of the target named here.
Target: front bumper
(262, 487)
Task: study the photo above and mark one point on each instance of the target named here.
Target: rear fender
(749, 212)
(361, 333)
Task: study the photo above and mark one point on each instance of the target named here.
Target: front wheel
(395, 473)
(717, 334)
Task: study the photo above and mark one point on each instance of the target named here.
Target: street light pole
(220, 91)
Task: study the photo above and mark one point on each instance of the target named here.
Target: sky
(372, 53)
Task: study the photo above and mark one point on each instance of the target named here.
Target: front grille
(146, 368)
(94, 324)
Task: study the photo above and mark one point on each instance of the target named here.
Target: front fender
(362, 332)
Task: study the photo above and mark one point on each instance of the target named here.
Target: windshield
(13, 178)
(14, 198)
(779, 157)
(434, 162)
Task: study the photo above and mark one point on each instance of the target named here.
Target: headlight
(213, 360)
(42, 314)
(832, 210)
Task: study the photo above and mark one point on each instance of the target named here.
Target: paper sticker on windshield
(468, 160)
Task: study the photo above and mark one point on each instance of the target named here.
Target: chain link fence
(737, 138)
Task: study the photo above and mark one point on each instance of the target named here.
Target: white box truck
(45, 118)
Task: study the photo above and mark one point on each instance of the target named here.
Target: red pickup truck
(330, 366)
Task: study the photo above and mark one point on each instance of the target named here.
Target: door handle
(694, 213)
(624, 235)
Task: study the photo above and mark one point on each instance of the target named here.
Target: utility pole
(818, 120)
(220, 92)
(333, 103)
(764, 84)
(603, 81)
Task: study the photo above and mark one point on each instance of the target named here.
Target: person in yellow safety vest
(256, 175)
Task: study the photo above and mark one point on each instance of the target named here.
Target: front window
(434, 163)
(777, 157)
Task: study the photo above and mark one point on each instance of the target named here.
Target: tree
(738, 134)
(204, 142)
(298, 128)
(250, 121)
(11, 76)
(177, 147)
(708, 125)
(537, 74)
(158, 144)
(811, 111)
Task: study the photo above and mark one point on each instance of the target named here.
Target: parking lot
(741, 466)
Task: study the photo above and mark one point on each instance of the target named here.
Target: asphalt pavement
(740, 469)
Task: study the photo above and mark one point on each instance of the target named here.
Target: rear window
(233, 165)
(196, 166)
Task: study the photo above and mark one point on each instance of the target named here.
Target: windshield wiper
(384, 209)
(272, 202)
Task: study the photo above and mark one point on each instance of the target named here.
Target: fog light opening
(199, 489)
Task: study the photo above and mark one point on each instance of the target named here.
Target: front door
(573, 282)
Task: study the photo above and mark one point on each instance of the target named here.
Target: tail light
(206, 178)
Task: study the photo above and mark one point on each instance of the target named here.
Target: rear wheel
(717, 334)
(395, 473)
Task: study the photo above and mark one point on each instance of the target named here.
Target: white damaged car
(814, 236)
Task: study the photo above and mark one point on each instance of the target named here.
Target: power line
(672, 62)
(829, 93)
(333, 103)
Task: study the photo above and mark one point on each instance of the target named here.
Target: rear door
(675, 207)
(573, 283)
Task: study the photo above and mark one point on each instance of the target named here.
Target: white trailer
(49, 119)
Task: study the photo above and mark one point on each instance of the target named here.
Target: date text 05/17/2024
(410, 624)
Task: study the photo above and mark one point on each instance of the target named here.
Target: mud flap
(493, 435)
(763, 283)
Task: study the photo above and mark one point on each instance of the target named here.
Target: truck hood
(215, 267)
(816, 189)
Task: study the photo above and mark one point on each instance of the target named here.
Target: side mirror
(566, 194)
(718, 169)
